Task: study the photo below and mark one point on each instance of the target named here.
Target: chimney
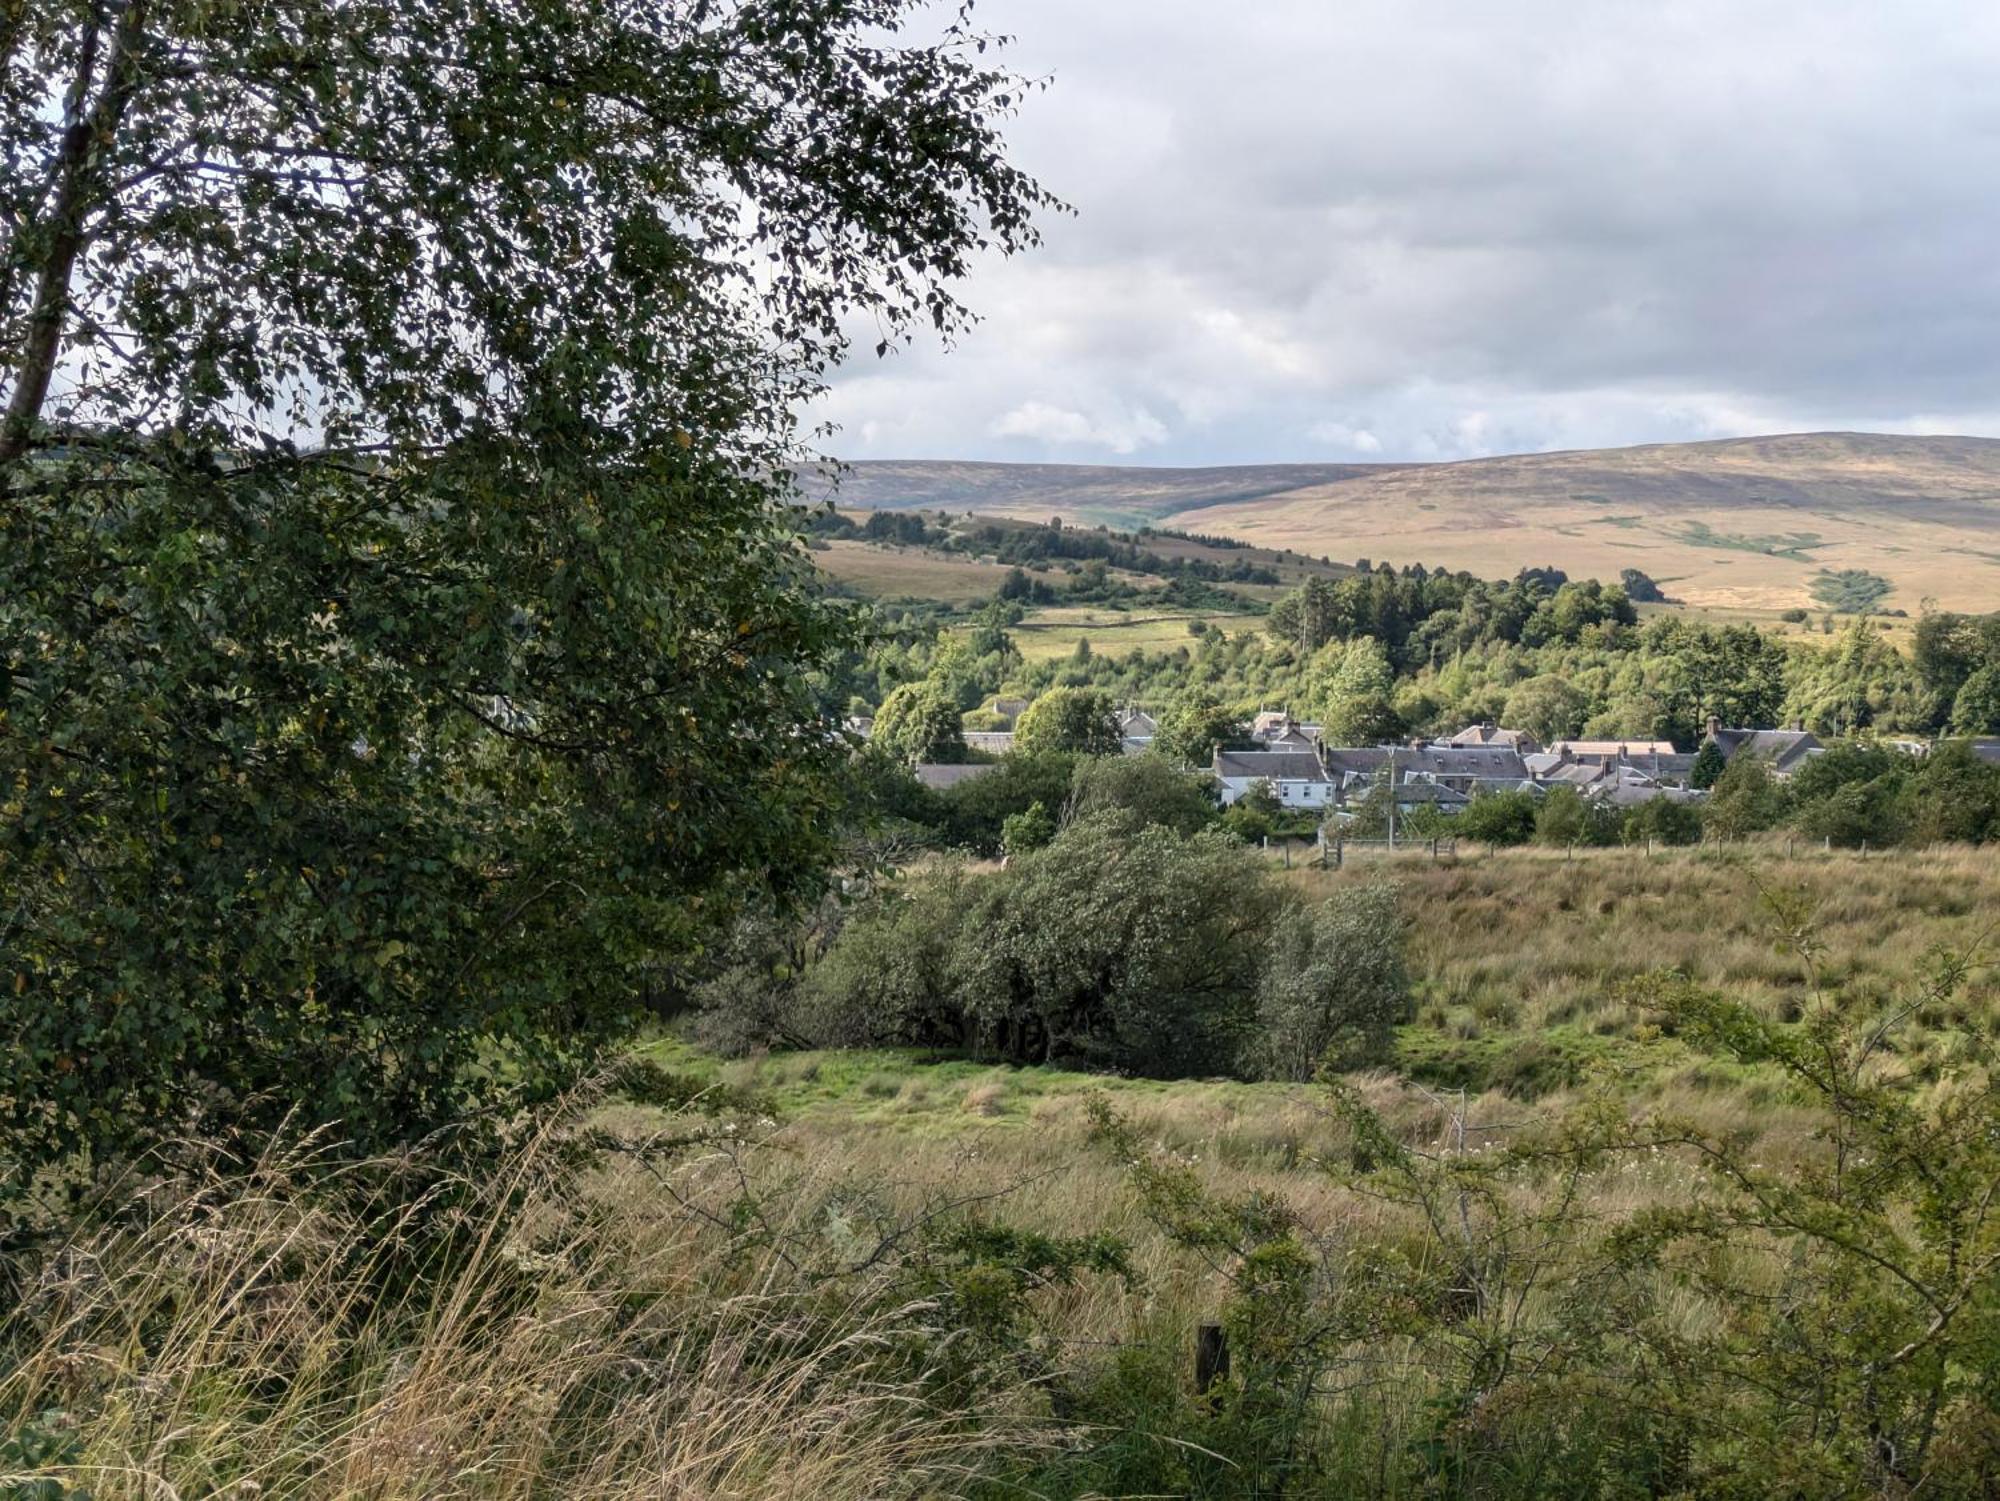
(1714, 726)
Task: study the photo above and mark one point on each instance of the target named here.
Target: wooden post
(1211, 1356)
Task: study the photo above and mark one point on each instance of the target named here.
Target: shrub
(1502, 818)
(1334, 984)
(1148, 787)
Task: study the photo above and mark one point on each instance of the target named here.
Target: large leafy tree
(1068, 719)
(403, 639)
(920, 722)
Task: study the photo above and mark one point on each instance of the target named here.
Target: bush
(973, 815)
(1334, 985)
(1664, 821)
(1122, 946)
(1148, 787)
(1500, 818)
(1746, 799)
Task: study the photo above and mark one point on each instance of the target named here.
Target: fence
(1440, 847)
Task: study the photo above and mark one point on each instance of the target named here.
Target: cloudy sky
(1430, 229)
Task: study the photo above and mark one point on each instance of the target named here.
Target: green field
(1053, 633)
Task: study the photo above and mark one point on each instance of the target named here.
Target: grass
(909, 573)
(1053, 633)
(722, 1320)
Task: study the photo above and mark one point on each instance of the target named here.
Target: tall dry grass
(292, 1328)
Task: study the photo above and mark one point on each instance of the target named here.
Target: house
(1465, 768)
(1136, 731)
(1987, 748)
(1609, 750)
(1474, 735)
(940, 777)
(1786, 750)
(990, 742)
(1593, 774)
(1297, 777)
(1010, 708)
(1137, 724)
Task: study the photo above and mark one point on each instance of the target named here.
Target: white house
(1296, 777)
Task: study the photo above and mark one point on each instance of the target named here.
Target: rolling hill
(1751, 523)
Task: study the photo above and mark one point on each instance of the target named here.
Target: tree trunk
(85, 142)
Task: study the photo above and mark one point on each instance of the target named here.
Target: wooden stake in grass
(1211, 1356)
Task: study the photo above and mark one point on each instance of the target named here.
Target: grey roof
(1273, 766)
(993, 742)
(1784, 749)
(1360, 760)
(1576, 773)
(1296, 739)
(1987, 749)
(1137, 724)
(1464, 762)
(1661, 767)
(1430, 792)
(1632, 794)
(938, 776)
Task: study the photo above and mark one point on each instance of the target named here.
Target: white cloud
(1059, 427)
(1484, 224)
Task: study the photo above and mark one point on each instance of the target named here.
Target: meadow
(744, 1288)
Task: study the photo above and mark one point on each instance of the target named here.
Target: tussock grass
(289, 1330)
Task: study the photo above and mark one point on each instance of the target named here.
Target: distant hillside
(1123, 497)
(1750, 522)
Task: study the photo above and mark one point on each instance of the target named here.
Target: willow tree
(403, 637)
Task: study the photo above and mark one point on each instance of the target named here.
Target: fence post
(1211, 1356)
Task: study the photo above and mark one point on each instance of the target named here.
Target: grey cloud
(1400, 230)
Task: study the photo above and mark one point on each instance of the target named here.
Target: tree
(920, 722)
(1069, 719)
(1355, 700)
(1746, 798)
(1029, 829)
(1148, 787)
(1334, 985)
(1564, 818)
(1640, 587)
(1953, 796)
(1501, 818)
(1194, 728)
(1975, 710)
(404, 633)
(1708, 764)
(1663, 821)
(1549, 707)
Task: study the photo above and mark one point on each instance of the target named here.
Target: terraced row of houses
(1304, 772)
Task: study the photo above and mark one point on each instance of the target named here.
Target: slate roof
(1362, 760)
(1784, 749)
(1272, 766)
(1482, 763)
(993, 742)
(1987, 749)
(1137, 724)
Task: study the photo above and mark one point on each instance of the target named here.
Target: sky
(1353, 230)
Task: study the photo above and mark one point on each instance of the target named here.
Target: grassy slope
(1739, 523)
(1518, 961)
